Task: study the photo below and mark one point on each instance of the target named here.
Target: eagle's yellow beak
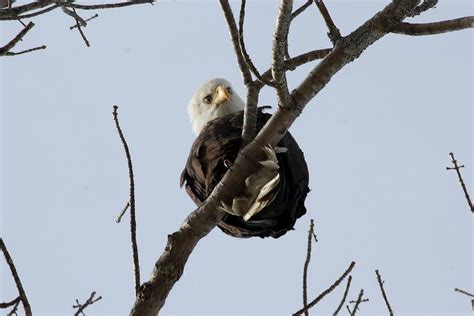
(221, 95)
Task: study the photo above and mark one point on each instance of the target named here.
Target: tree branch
(334, 34)
(461, 180)
(234, 35)
(379, 280)
(5, 50)
(357, 303)
(280, 41)
(306, 266)
(327, 291)
(81, 307)
(133, 223)
(346, 291)
(435, 27)
(19, 286)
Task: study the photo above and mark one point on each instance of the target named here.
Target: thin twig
(362, 301)
(87, 20)
(464, 292)
(461, 180)
(334, 34)
(234, 35)
(435, 27)
(79, 24)
(357, 303)
(306, 266)
(19, 286)
(346, 291)
(243, 49)
(14, 309)
(295, 13)
(5, 49)
(133, 223)
(81, 307)
(379, 279)
(122, 213)
(328, 290)
(301, 9)
(25, 51)
(11, 303)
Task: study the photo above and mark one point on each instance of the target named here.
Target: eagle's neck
(199, 119)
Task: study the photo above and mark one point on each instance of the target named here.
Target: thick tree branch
(280, 41)
(435, 27)
(16, 278)
(133, 222)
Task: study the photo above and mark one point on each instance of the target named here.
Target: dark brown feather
(219, 141)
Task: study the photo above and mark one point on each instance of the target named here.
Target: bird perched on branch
(272, 198)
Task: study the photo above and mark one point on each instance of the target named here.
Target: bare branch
(435, 27)
(234, 35)
(25, 51)
(79, 24)
(81, 307)
(108, 5)
(122, 213)
(19, 286)
(280, 40)
(45, 6)
(243, 49)
(464, 292)
(249, 129)
(87, 20)
(461, 180)
(346, 291)
(133, 223)
(334, 33)
(11, 303)
(357, 303)
(295, 13)
(327, 291)
(301, 9)
(297, 61)
(306, 266)
(379, 280)
(5, 50)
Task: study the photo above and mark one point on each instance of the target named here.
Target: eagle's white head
(215, 98)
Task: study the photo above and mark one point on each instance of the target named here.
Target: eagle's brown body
(219, 141)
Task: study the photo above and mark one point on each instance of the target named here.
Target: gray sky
(376, 140)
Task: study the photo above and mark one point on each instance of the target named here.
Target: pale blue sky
(376, 140)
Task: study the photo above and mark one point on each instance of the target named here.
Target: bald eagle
(273, 197)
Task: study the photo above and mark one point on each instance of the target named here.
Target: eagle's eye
(208, 99)
(229, 90)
